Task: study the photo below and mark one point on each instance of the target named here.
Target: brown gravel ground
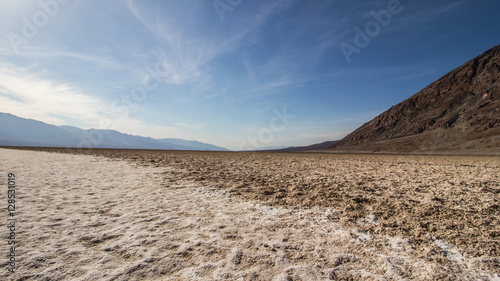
(425, 199)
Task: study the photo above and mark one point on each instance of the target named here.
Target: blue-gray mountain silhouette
(16, 131)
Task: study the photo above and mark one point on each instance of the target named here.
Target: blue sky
(235, 73)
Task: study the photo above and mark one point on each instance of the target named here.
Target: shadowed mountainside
(459, 113)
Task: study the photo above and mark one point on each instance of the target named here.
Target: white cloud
(28, 95)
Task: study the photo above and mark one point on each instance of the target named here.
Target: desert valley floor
(177, 215)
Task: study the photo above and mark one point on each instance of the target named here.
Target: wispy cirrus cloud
(415, 16)
(188, 50)
(429, 14)
(181, 54)
(35, 52)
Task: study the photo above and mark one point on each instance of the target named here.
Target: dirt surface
(281, 216)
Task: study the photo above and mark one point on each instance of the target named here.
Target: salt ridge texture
(91, 218)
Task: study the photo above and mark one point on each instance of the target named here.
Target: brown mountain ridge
(457, 114)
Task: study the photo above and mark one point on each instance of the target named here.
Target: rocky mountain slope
(459, 113)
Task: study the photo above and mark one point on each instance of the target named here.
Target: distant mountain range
(457, 114)
(16, 131)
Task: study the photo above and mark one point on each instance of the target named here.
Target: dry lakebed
(107, 214)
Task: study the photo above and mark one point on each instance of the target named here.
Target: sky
(235, 73)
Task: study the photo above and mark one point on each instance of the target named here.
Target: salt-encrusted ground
(91, 218)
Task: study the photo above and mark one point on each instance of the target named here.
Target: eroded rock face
(460, 111)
